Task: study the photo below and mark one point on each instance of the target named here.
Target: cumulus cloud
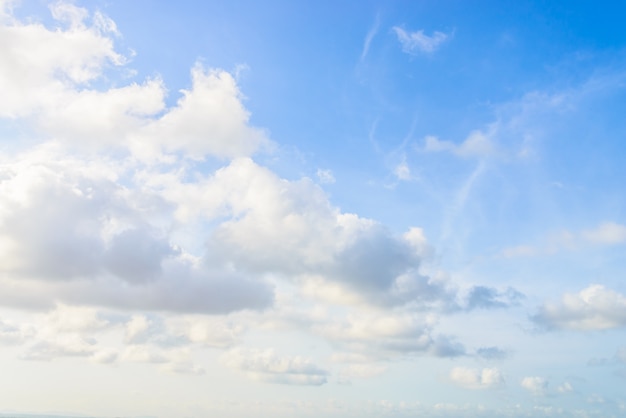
(593, 308)
(40, 65)
(384, 335)
(267, 366)
(476, 378)
(128, 204)
(66, 222)
(535, 384)
(416, 42)
(209, 119)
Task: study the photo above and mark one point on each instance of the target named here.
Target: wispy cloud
(418, 42)
(369, 37)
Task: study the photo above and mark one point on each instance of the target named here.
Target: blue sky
(312, 209)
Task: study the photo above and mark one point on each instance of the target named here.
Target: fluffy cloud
(267, 366)
(73, 226)
(40, 66)
(535, 384)
(475, 378)
(593, 308)
(416, 42)
(384, 335)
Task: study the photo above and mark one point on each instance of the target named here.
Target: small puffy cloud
(267, 366)
(218, 332)
(65, 318)
(477, 145)
(325, 176)
(402, 171)
(535, 384)
(476, 378)
(418, 42)
(593, 308)
(565, 387)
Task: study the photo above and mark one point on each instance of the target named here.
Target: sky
(319, 209)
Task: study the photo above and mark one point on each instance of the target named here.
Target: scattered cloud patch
(267, 366)
(476, 378)
(491, 353)
(418, 42)
(325, 176)
(482, 297)
(477, 145)
(593, 308)
(565, 387)
(536, 385)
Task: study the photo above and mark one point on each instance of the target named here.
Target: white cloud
(208, 119)
(477, 378)
(61, 345)
(565, 387)
(40, 66)
(219, 332)
(416, 42)
(478, 144)
(402, 171)
(66, 318)
(325, 176)
(267, 366)
(369, 37)
(535, 384)
(98, 230)
(593, 308)
(606, 233)
(380, 335)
